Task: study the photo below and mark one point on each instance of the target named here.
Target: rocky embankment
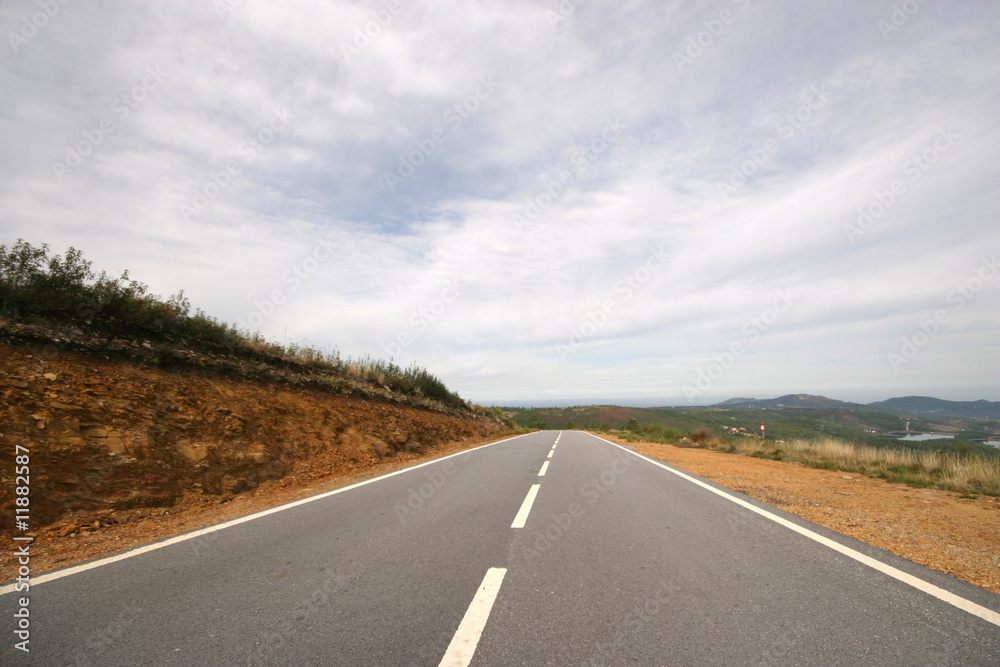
(113, 439)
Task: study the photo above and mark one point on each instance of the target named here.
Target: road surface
(515, 553)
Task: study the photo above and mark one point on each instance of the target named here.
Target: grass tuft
(969, 474)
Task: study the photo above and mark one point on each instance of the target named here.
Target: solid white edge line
(969, 606)
(59, 574)
(545, 466)
(522, 514)
(463, 644)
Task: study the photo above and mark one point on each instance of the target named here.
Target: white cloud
(524, 292)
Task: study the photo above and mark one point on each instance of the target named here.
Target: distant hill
(926, 405)
(787, 401)
(916, 405)
(790, 417)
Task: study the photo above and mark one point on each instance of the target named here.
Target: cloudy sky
(645, 202)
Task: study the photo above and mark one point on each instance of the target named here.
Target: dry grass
(971, 474)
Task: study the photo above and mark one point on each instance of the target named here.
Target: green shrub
(701, 435)
(37, 288)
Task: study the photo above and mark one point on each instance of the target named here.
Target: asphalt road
(619, 562)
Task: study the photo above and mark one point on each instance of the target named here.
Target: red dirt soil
(122, 454)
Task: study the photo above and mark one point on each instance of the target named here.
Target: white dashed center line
(463, 644)
(522, 514)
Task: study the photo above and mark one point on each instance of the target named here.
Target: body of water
(927, 436)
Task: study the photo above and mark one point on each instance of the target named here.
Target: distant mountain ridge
(788, 401)
(926, 405)
(918, 405)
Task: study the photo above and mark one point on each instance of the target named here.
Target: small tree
(701, 435)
